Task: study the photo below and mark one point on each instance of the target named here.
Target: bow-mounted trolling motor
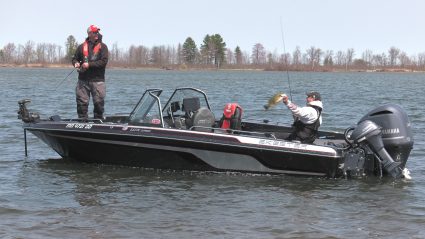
(24, 113)
(382, 139)
(27, 117)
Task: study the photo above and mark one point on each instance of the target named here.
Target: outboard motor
(369, 132)
(386, 131)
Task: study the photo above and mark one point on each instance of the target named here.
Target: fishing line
(60, 83)
(286, 60)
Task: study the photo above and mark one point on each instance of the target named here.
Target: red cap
(93, 28)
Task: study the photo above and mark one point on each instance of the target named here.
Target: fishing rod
(60, 83)
(286, 60)
(278, 97)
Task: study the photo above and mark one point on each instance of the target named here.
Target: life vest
(306, 133)
(232, 114)
(96, 49)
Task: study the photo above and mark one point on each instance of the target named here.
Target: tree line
(213, 53)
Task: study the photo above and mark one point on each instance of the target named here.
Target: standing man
(90, 59)
(307, 119)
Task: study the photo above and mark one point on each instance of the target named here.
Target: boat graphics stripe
(195, 136)
(219, 160)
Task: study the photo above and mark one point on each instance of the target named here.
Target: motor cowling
(396, 130)
(370, 133)
(387, 132)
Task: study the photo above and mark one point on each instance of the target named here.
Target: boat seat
(190, 105)
(202, 120)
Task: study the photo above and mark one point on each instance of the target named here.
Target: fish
(274, 100)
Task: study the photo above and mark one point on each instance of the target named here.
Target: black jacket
(97, 63)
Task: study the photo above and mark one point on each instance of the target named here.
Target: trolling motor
(27, 117)
(24, 114)
(383, 133)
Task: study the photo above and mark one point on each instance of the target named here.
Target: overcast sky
(328, 24)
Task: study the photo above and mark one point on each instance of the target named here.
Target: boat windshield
(184, 100)
(182, 103)
(148, 110)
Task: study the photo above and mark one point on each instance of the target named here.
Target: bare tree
(404, 59)
(310, 56)
(137, 56)
(270, 59)
(40, 52)
(9, 52)
(314, 56)
(393, 55)
(296, 57)
(285, 60)
(51, 55)
(60, 54)
(328, 58)
(28, 52)
(349, 58)
(245, 58)
(258, 55)
(367, 57)
(380, 60)
(421, 60)
(340, 58)
(180, 58)
(230, 58)
(114, 53)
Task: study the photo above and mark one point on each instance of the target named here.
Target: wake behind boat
(184, 134)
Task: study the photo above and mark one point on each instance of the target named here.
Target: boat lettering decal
(78, 126)
(391, 131)
(282, 143)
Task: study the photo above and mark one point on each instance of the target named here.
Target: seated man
(308, 119)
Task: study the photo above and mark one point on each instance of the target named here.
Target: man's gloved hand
(285, 99)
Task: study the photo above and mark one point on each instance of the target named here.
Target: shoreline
(186, 68)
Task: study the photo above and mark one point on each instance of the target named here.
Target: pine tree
(238, 55)
(71, 46)
(189, 51)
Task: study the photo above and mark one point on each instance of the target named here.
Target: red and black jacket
(97, 58)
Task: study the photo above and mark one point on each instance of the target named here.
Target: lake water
(44, 196)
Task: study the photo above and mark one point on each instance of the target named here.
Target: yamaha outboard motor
(386, 131)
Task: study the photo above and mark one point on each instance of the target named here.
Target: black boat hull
(183, 151)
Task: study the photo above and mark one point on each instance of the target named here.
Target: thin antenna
(286, 60)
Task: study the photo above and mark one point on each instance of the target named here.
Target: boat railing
(234, 131)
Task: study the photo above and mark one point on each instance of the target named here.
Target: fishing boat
(184, 134)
